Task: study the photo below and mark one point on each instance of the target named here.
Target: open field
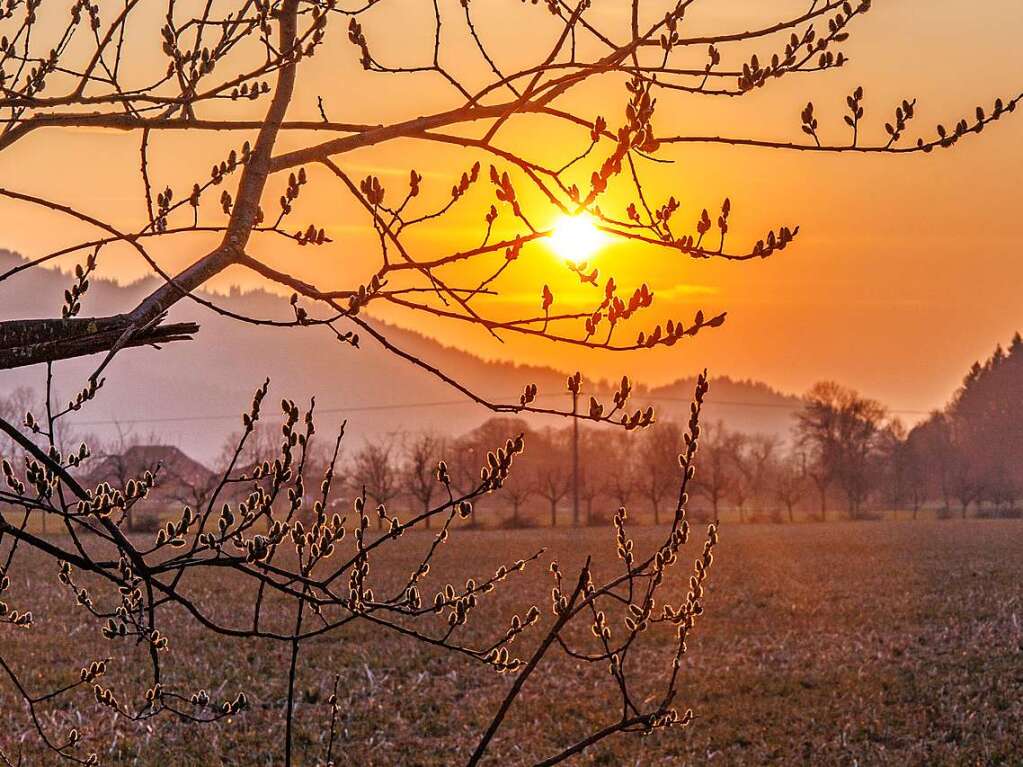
(839, 643)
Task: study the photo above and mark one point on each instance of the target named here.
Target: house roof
(172, 467)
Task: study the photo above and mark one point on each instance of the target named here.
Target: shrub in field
(237, 80)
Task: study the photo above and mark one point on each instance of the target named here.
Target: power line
(711, 402)
(224, 417)
(442, 403)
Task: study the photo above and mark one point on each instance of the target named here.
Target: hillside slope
(191, 394)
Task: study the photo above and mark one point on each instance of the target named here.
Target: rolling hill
(191, 394)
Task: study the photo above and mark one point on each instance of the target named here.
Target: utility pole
(573, 388)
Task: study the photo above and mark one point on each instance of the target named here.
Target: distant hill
(749, 406)
(191, 394)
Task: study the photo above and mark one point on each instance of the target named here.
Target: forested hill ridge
(194, 398)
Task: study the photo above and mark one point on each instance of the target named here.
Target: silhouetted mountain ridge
(193, 393)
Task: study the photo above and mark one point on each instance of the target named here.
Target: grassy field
(840, 643)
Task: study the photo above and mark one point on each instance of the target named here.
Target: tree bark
(28, 342)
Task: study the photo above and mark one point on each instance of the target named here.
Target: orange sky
(905, 271)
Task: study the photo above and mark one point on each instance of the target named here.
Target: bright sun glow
(576, 238)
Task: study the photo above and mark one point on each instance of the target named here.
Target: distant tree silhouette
(988, 426)
(895, 465)
(938, 455)
(915, 462)
(423, 452)
(717, 478)
(552, 471)
(840, 429)
(517, 492)
(594, 463)
(819, 472)
(14, 405)
(520, 486)
(741, 489)
(619, 484)
(754, 457)
(376, 473)
(657, 475)
(970, 451)
(470, 451)
(789, 482)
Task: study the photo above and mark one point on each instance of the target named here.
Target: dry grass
(845, 643)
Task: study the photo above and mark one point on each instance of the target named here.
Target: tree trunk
(575, 457)
(27, 342)
(554, 513)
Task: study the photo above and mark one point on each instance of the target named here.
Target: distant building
(180, 480)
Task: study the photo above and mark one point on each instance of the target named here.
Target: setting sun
(576, 238)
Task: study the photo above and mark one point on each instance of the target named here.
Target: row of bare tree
(842, 448)
(755, 476)
(845, 452)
